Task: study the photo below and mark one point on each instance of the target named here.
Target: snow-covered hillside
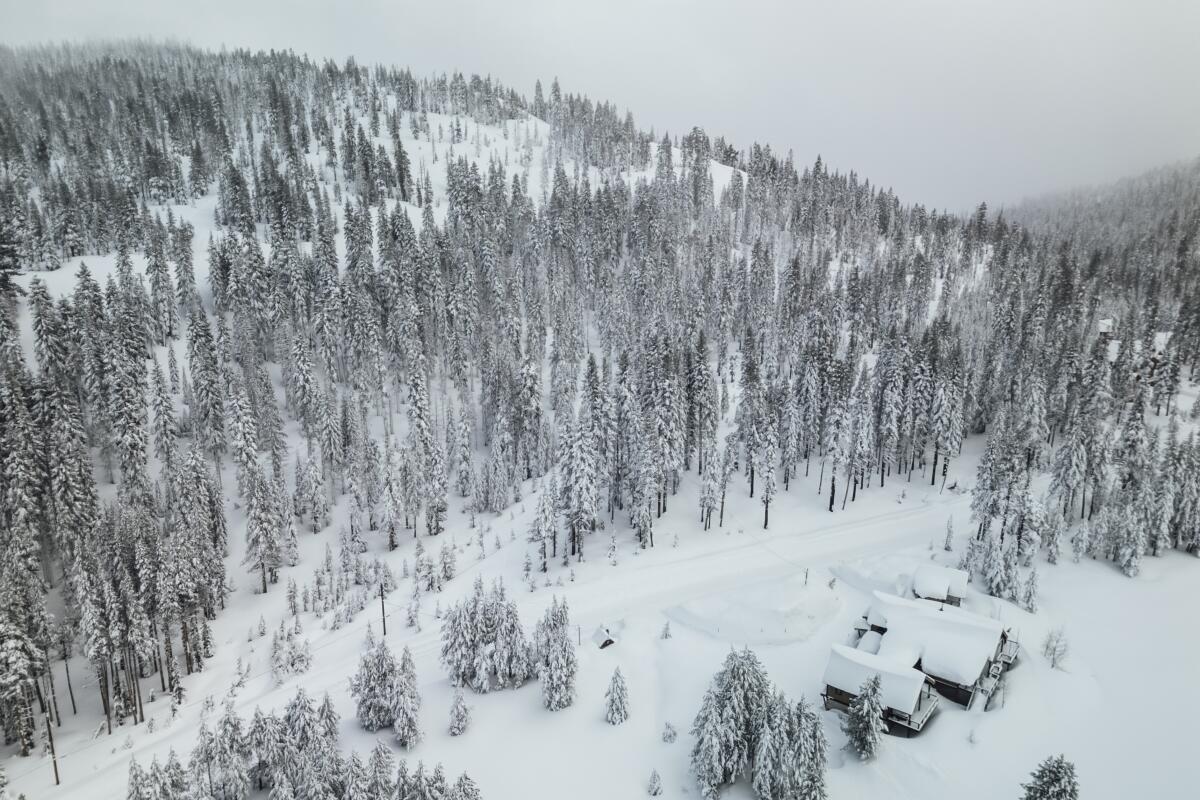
(731, 399)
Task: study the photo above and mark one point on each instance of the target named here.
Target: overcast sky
(949, 102)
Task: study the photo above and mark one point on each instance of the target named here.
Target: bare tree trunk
(104, 697)
(53, 697)
(70, 689)
(53, 753)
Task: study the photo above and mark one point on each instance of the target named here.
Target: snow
(899, 687)
(935, 582)
(951, 643)
(792, 593)
(869, 643)
(737, 575)
(780, 612)
(1160, 344)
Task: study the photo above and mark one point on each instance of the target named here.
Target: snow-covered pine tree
(263, 551)
(577, 468)
(864, 724)
(707, 758)
(381, 783)
(407, 703)
(558, 662)
(446, 561)
(616, 699)
(376, 685)
(464, 788)
(1029, 593)
(1054, 779)
(460, 714)
(809, 754)
(654, 786)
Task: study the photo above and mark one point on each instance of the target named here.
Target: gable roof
(848, 669)
(936, 582)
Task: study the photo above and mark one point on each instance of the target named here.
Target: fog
(947, 102)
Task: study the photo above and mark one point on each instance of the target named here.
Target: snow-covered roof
(937, 582)
(951, 643)
(869, 643)
(848, 669)
(610, 633)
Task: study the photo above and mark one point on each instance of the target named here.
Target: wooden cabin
(905, 693)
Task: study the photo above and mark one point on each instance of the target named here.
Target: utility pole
(382, 609)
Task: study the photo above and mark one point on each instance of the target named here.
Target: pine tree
(768, 472)
(769, 751)
(327, 721)
(447, 562)
(1054, 779)
(208, 415)
(407, 703)
(864, 724)
(355, 777)
(577, 468)
(231, 777)
(263, 549)
(707, 756)
(464, 789)
(376, 685)
(558, 662)
(10, 251)
(1029, 594)
(543, 531)
(654, 785)
(616, 699)
(460, 715)
(380, 783)
(138, 783)
(811, 758)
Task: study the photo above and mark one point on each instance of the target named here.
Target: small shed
(943, 584)
(603, 637)
(904, 692)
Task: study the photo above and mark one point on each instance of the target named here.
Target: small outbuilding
(605, 636)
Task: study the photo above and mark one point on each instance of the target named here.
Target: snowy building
(905, 693)
(944, 584)
(963, 654)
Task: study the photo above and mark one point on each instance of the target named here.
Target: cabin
(962, 653)
(943, 584)
(603, 637)
(905, 693)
